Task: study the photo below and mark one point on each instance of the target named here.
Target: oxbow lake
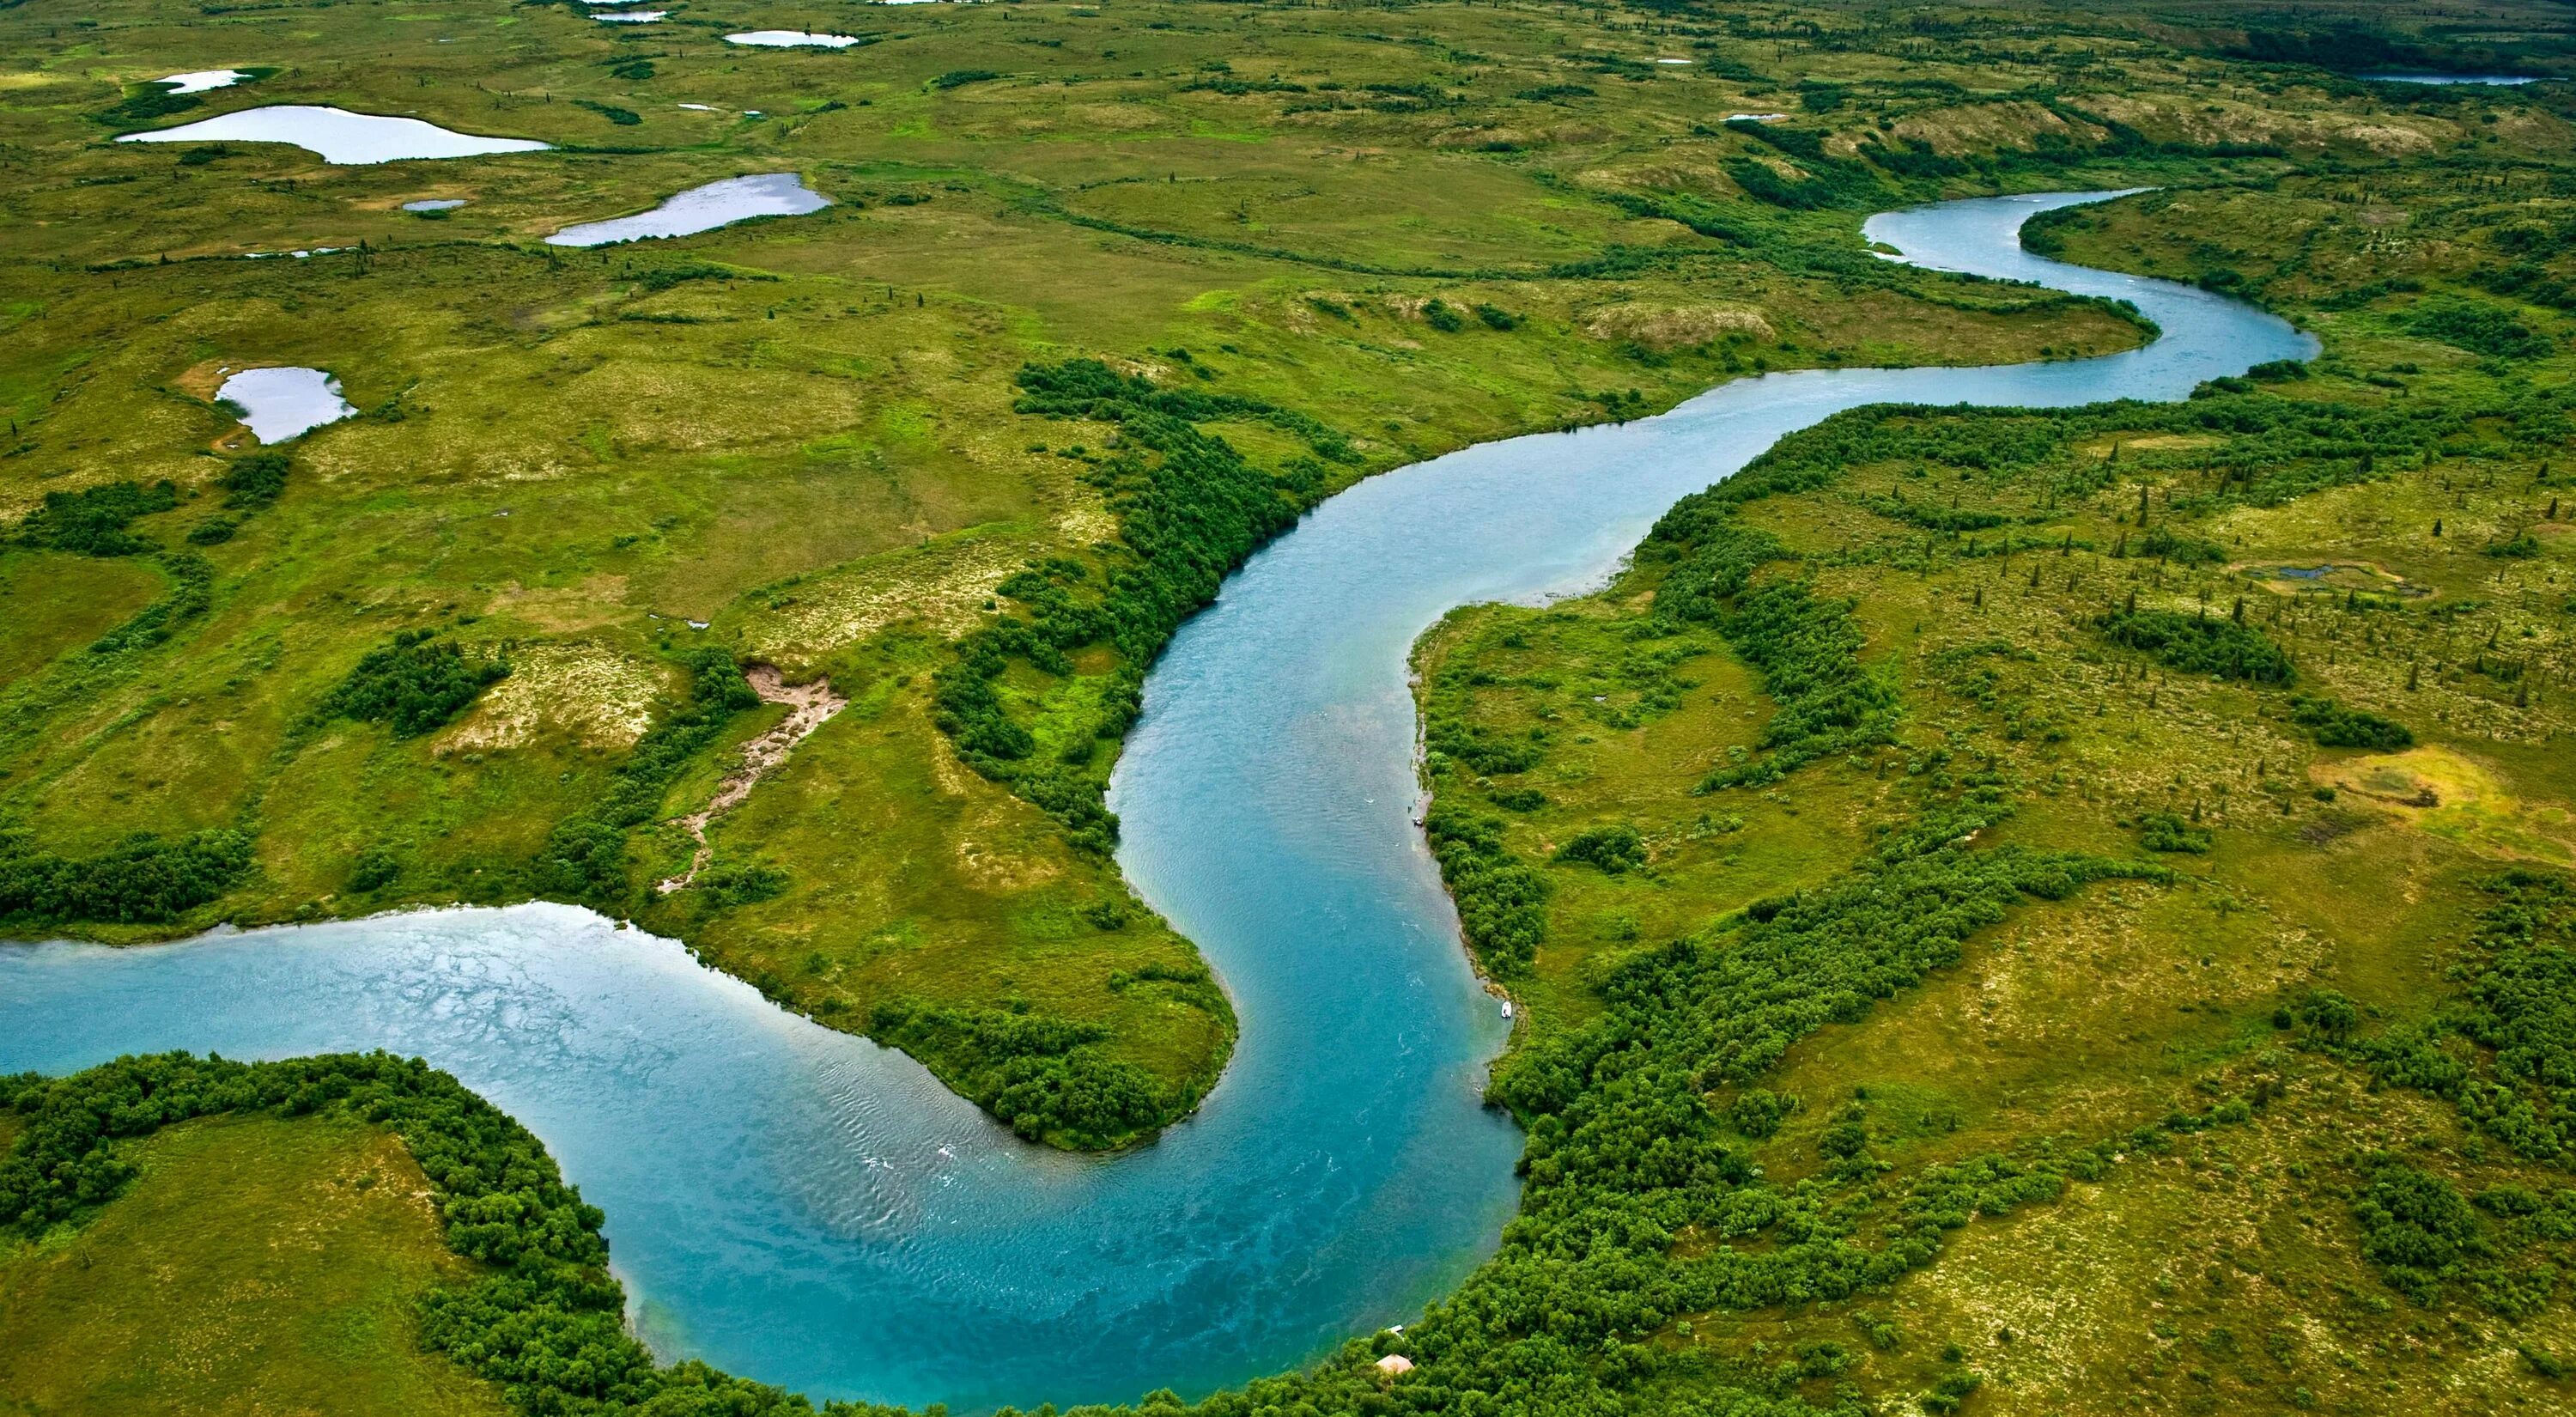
(802, 1207)
(337, 135)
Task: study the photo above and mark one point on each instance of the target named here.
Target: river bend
(802, 1207)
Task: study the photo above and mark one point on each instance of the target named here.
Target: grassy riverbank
(2291, 662)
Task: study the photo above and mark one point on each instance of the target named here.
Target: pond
(632, 17)
(703, 209)
(790, 39)
(203, 80)
(281, 403)
(337, 135)
(801, 1207)
(434, 204)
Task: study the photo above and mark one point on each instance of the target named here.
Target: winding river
(802, 1207)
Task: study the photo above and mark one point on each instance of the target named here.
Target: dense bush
(2199, 644)
(2476, 326)
(1045, 1078)
(142, 880)
(254, 480)
(1502, 900)
(92, 521)
(2163, 831)
(1616, 849)
(2337, 725)
(416, 682)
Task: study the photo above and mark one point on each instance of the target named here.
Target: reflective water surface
(805, 1208)
(280, 403)
(337, 135)
(703, 209)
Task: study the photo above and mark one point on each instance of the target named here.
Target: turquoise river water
(800, 1206)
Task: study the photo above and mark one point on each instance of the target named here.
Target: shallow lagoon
(703, 209)
(434, 204)
(337, 135)
(802, 1207)
(285, 402)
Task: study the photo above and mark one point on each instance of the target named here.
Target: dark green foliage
(254, 481)
(374, 870)
(2338, 726)
(1806, 647)
(1497, 318)
(2418, 1230)
(622, 117)
(1481, 749)
(960, 78)
(92, 521)
(2476, 326)
(1042, 1077)
(192, 592)
(416, 682)
(2163, 831)
(1616, 849)
(632, 70)
(1519, 799)
(145, 103)
(747, 884)
(585, 856)
(1190, 509)
(142, 880)
(1502, 900)
(2165, 544)
(1439, 315)
(1552, 93)
(214, 531)
(546, 1321)
(2199, 644)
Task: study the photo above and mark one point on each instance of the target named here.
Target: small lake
(802, 1207)
(791, 39)
(632, 17)
(703, 209)
(282, 403)
(337, 135)
(434, 204)
(203, 80)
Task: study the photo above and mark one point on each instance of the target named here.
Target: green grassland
(256, 1265)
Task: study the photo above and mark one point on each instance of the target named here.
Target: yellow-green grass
(256, 1266)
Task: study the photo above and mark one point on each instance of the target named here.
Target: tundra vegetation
(1960, 856)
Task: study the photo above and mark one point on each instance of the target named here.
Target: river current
(802, 1207)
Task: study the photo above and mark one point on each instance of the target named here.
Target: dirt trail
(810, 705)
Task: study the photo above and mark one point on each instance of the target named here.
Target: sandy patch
(587, 692)
(2457, 798)
(1677, 327)
(809, 706)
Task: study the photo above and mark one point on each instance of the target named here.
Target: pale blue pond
(802, 1207)
(703, 209)
(337, 135)
(434, 204)
(282, 403)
